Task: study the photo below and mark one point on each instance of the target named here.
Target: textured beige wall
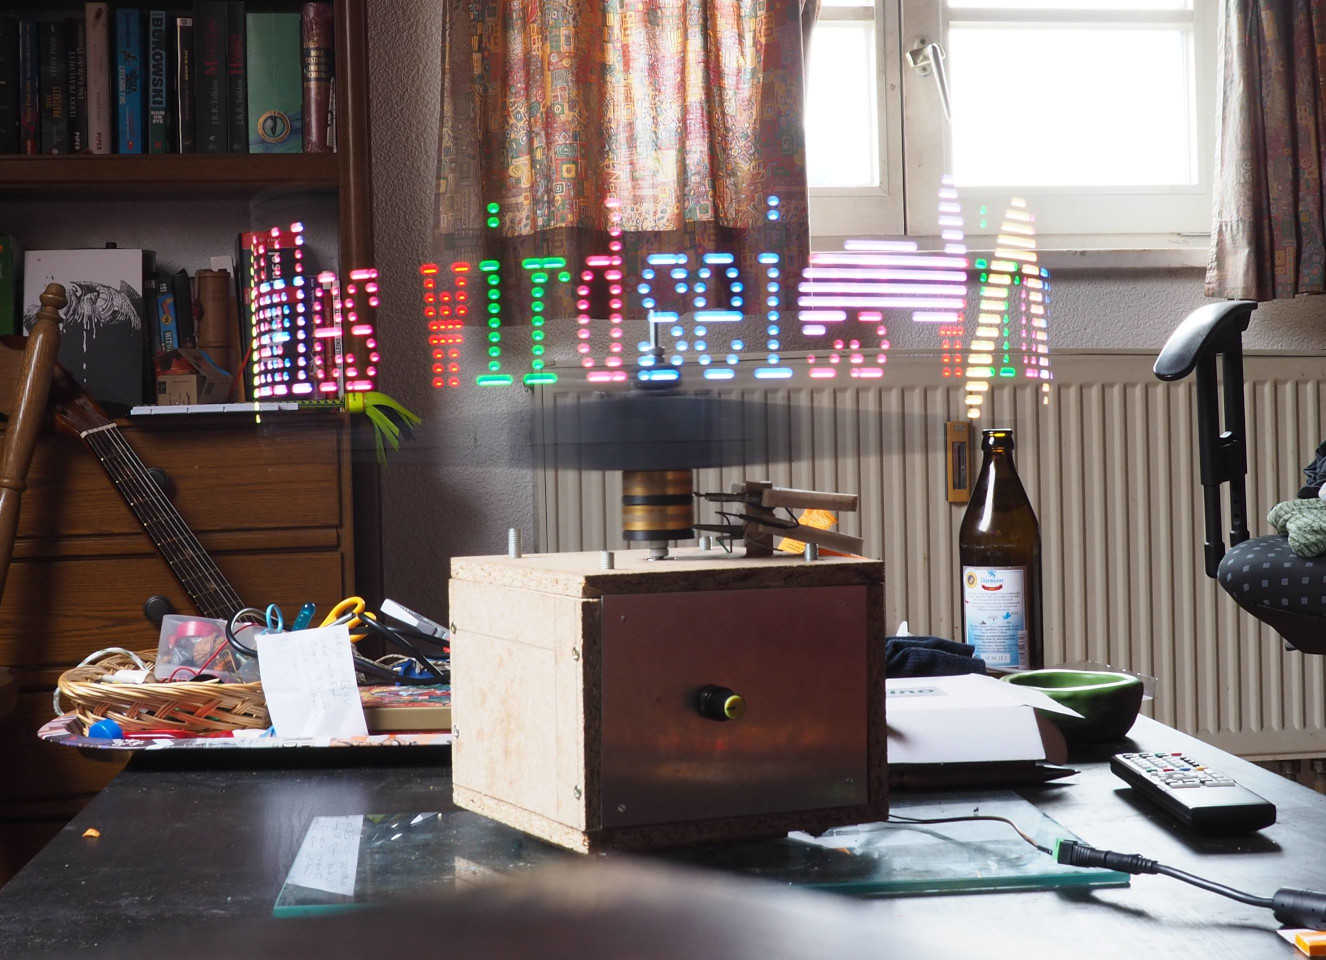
(463, 478)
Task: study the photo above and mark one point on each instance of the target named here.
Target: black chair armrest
(1206, 329)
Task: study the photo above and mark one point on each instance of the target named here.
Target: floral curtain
(1268, 233)
(686, 112)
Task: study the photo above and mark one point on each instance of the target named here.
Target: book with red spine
(318, 59)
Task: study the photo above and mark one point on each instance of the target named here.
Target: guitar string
(220, 587)
(149, 494)
(130, 484)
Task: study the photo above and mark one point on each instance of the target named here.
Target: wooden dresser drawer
(227, 475)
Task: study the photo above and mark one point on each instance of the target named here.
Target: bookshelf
(195, 203)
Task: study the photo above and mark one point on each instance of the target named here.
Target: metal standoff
(607, 559)
(513, 542)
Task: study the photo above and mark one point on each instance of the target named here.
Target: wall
(463, 479)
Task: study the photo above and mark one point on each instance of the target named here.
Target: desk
(184, 847)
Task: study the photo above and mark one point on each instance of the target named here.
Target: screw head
(575, 653)
(621, 808)
(576, 792)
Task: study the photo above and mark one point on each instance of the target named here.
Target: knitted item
(930, 657)
(1305, 523)
(1314, 475)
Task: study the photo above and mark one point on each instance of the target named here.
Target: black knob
(156, 607)
(720, 703)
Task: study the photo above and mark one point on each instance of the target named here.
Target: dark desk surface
(179, 848)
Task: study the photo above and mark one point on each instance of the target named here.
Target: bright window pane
(842, 133)
(1070, 4)
(1077, 106)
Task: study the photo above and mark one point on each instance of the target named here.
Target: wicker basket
(184, 707)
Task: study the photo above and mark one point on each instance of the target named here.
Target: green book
(276, 93)
(10, 258)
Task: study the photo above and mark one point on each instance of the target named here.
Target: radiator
(1110, 464)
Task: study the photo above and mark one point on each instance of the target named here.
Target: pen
(304, 617)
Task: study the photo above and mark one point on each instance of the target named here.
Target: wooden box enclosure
(576, 695)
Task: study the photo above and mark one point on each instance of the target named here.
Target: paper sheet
(328, 859)
(308, 679)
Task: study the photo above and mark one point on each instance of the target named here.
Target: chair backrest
(1209, 332)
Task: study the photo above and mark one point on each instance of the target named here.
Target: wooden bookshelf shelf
(169, 172)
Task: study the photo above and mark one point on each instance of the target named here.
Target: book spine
(316, 41)
(275, 80)
(96, 17)
(237, 93)
(167, 328)
(29, 87)
(76, 83)
(129, 81)
(10, 322)
(183, 309)
(211, 113)
(184, 84)
(158, 128)
(9, 114)
(54, 90)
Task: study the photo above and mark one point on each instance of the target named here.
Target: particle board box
(579, 695)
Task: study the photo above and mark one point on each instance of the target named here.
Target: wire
(1214, 887)
(894, 818)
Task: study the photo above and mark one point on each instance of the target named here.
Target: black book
(75, 34)
(158, 83)
(237, 91)
(182, 77)
(211, 107)
(54, 88)
(29, 88)
(9, 117)
(184, 310)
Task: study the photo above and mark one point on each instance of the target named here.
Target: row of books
(123, 80)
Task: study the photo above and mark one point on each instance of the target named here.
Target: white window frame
(915, 132)
(840, 212)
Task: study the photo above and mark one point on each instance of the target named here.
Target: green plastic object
(1107, 701)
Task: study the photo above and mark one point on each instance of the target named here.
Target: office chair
(1265, 577)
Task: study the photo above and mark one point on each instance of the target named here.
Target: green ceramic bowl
(1108, 702)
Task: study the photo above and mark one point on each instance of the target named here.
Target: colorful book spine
(158, 77)
(129, 81)
(54, 89)
(29, 87)
(211, 113)
(184, 84)
(9, 115)
(96, 22)
(75, 58)
(275, 88)
(316, 40)
(166, 327)
(237, 88)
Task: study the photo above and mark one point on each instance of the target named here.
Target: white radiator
(1111, 467)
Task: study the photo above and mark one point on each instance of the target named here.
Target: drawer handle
(721, 703)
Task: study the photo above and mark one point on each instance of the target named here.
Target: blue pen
(304, 617)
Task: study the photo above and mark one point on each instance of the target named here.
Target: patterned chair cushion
(1265, 572)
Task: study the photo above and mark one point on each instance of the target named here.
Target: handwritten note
(308, 679)
(328, 859)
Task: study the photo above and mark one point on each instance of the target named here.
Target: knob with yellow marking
(721, 703)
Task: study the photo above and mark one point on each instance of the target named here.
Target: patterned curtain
(687, 112)
(1268, 233)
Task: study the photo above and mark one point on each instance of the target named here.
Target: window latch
(926, 57)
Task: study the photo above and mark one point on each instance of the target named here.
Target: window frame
(915, 132)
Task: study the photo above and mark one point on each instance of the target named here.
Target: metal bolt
(812, 552)
(513, 542)
(621, 808)
(607, 559)
(706, 543)
(575, 654)
(576, 791)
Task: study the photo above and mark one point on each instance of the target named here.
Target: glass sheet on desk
(898, 859)
(349, 861)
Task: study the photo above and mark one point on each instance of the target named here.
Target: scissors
(275, 619)
(348, 612)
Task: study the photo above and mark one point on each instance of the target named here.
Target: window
(1099, 112)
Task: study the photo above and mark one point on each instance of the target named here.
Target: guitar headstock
(74, 411)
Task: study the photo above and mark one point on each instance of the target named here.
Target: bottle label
(994, 612)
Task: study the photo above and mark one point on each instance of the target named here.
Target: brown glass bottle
(999, 547)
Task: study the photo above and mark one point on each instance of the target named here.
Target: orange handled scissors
(349, 612)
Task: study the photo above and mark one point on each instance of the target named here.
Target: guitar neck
(206, 586)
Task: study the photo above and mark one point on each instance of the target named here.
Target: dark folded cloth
(929, 657)
(1314, 474)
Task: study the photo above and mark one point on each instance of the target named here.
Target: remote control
(1202, 798)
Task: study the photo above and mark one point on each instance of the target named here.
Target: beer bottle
(999, 547)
